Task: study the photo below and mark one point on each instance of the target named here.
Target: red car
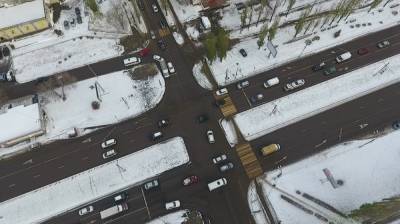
(144, 52)
(362, 51)
(190, 180)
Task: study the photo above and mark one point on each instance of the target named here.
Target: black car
(66, 24)
(163, 25)
(396, 125)
(163, 123)
(3, 77)
(77, 11)
(161, 44)
(202, 118)
(318, 67)
(79, 20)
(243, 52)
(140, 4)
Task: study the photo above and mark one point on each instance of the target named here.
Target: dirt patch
(131, 42)
(143, 72)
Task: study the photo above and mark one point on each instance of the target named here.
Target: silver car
(150, 185)
(86, 210)
(294, 85)
(226, 167)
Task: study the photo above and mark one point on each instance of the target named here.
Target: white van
(131, 61)
(271, 82)
(217, 184)
(343, 57)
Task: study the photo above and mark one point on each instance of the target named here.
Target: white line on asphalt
(132, 140)
(145, 202)
(62, 166)
(126, 132)
(85, 158)
(11, 185)
(36, 176)
(27, 162)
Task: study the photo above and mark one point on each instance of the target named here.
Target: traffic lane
(313, 78)
(321, 131)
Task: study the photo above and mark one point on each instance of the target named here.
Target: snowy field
(93, 184)
(292, 108)
(96, 39)
(235, 67)
(200, 77)
(121, 98)
(368, 170)
(185, 12)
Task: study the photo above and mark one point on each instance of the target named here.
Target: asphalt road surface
(183, 101)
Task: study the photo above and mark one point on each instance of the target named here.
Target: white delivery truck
(113, 210)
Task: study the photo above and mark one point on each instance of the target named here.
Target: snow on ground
(200, 77)
(167, 14)
(79, 44)
(26, 11)
(229, 130)
(368, 169)
(255, 206)
(292, 108)
(185, 11)
(93, 184)
(235, 67)
(121, 98)
(178, 38)
(173, 218)
(63, 56)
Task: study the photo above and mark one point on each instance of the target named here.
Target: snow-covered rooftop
(21, 13)
(292, 108)
(19, 121)
(98, 182)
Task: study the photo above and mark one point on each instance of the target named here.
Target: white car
(210, 136)
(109, 154)
(152, 34)
(155, 8)
(86, 210)
(294, 85)
(157, 57)
(219, 159)
(132, 61)
(221, 92)
(171, 68)
(172, 205)
(108, 143)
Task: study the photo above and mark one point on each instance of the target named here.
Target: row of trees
(217, 44)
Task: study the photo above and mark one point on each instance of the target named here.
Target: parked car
(79, 20)
(319, 66)
(157, 58)
(108, 143)
(132, 61)
(243, 52)
(172, 205)
(226, 167)
(202, 118)
(121, 197)
(77, 11)
(163, 24)
(86, 210)
(257, 98)
(72, 22)
(271, 82)
(343, 57)
(156, 135)
(210, 137)
(396, 125)
(221, 92)
(383, 44)
(66, 25)
(151, 185)
(144, 52)
(171, 68)
(362, 51)
(269, 149)
(163, 123)
(219, 159)
(330, 70)
(155, 8)
(161, 44)
(152, 35)
(190, 180)
(243, 84)
(294, 85)
(109, 154)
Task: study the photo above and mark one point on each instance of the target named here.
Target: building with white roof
(23, 19)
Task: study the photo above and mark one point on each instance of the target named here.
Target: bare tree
(290, 6)
(263, 4)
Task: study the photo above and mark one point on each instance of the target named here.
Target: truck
(113, 210)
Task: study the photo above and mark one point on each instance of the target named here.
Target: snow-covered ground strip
(121, 98)
(236, 67)
(167, 14)
(256, 209)
(93, 184)
(27, 11)
(200, 77)
(292, 108)
(367, 168)
(185, 11)
(173, 218)
(79, 44)
(229, 130)
(63, 56)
